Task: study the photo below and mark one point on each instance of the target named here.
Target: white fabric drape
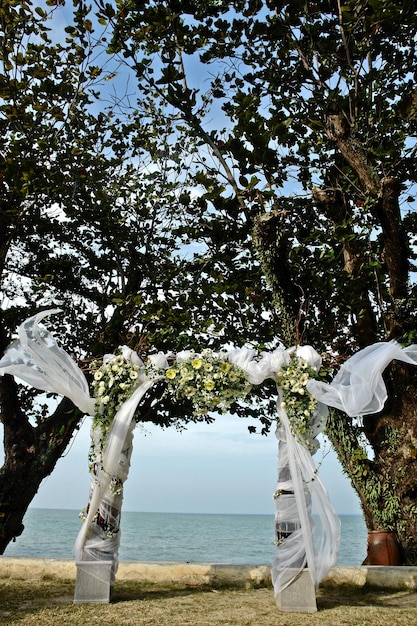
(99, 537)
(303, 509)
(36, 358)
(114, 464)
(358, 388)
(314, 536)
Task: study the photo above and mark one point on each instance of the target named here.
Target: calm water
(51, 533)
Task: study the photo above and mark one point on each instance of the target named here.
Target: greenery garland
(208, 380)
(114, 381)
(298, 403)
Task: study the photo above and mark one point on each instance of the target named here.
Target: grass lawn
(50, 603)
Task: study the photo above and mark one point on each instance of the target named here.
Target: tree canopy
(318, 125)
(90, 222)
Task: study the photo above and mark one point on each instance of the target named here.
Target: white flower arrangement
(298, 403)
(208, 380)
(114, 380)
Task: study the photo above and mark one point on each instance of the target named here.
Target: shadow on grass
(128, 591)
(327, 598)
(356, 596)
(19, 598)
(24, 594)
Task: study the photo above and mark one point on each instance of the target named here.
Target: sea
(177, 537)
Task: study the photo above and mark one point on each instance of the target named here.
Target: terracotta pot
(383, 548)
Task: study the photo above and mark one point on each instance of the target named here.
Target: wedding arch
(307, 527)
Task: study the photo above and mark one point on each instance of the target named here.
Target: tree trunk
(338, 209)
(395, 241)
(31, 453)
(272, 247)
(382, 197)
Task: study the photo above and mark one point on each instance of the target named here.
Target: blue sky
(209, 468)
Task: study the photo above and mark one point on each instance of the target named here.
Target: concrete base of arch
(299, 596)
(94, 582)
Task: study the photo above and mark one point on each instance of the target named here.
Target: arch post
(98, 558)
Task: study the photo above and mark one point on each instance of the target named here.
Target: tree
(94, 217)
(314, 158)
(80, 227)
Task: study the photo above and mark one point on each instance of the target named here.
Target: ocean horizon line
(43, 508)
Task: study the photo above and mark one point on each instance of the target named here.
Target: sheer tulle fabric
(99, 537)
(307, 526)
(115, 464)
(358, 388)
(36, 358)
(303, 508)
